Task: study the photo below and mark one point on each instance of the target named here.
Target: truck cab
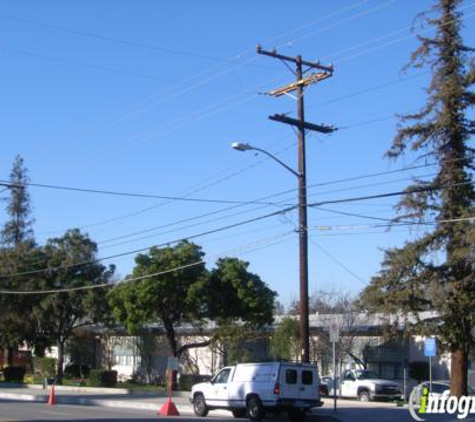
(367, 385)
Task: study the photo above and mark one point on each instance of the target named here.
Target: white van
(254, 388)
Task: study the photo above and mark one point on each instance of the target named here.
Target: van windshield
(366, 375)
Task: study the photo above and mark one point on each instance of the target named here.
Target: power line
(369, 89)
(107, 69)
(199, 188)
(204, 233)
(186, 120)
(338, 262)
(352, 188)
(330, 101)
(346, 20)
(138, 195)
(244, 222)
(333, 258)
(255, 201)
(221, 218)
(387, 44)
(238, 56)
(110, 38)
(212, 213)
(389, 194)
(251, 248)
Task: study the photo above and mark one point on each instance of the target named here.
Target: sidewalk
(104, 397)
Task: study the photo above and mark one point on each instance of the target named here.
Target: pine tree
(436, 271)
(16, 255)
(19, 228)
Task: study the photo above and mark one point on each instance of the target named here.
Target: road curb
(98, 390)
(85, 401)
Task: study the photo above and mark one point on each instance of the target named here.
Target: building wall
(145, 358)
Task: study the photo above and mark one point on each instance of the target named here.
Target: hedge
(100, 378)
(77, 370)
(186, 381)
(14, 373)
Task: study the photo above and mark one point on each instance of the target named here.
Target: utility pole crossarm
(313, 65)
(306, 125)
(313, 78)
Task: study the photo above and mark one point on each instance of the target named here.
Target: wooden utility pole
(322, 72)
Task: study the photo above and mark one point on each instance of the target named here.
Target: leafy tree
(160, 295)
(15, 255)
(248, 298)
(16, 322)
(285, 342)
(435, 272)
(190, 294)
(60, 314)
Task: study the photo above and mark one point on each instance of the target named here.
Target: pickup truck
(367, 385)
(253, 388)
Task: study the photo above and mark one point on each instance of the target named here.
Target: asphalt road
(30, 411)
(349, 411)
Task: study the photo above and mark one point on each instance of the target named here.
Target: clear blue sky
(147, 97)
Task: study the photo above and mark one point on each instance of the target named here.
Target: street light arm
(277, 161)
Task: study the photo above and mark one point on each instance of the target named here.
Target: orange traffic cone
(51, 400)
(169, 409)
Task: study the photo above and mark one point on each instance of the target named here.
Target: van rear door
(298, 382)
(309, 383)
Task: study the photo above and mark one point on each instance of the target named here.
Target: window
(307, 377)
(291, 376)
(349, 376)
(439, 388)
(366, 375)
(223, 376)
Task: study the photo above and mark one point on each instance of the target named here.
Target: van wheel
(255, 410)
(296, 415)
(239, 413)
(199, 405)
(364, 396)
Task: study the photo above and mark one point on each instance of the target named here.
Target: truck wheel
(199, 405)
(364, 396)
(239, 413)
(255, 410)
(296, 415)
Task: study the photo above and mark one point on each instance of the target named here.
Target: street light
(246, 147)
(303, 243)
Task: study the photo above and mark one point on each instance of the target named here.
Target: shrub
(45, 367)
(186, 381)
(100, 378)
(14, 373)
(77, 370)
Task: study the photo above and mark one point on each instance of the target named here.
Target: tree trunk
(59, 370)
(170, 332)
(458, 370)
(10, 352)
